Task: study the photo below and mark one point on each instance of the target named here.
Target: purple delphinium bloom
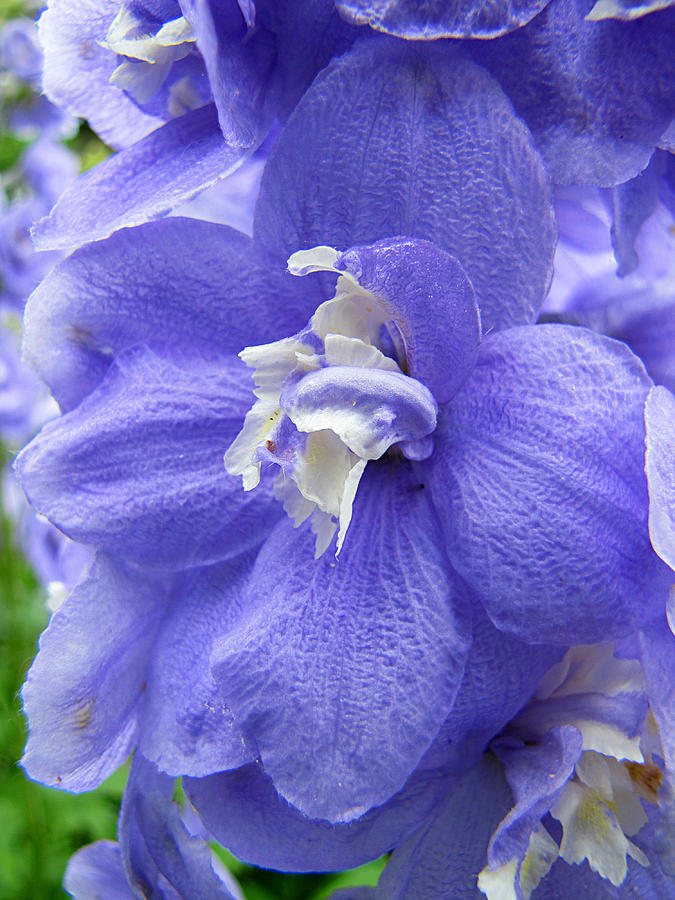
(188, 91)
(519, 463)
(589, 765)
(43, 172)
(158, 855)
(595, 123)
(638, 308)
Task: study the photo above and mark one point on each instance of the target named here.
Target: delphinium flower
(30, 187)
(42, 171)
(230, 648)
(573, 798)
(637, 306)
(322, 688)
(162, 851)
(185, 91)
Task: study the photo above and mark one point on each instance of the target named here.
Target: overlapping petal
(186, 727)
(97, 870)
(437, 18)
(444, 857)
(160, 855)
(538, 479)
(308, 34)
(125, 663)
(245, 813)
(83, 691)
(180, 286)
(137, 468)
(597, 96)
(239, 70)
(426, 145)
(500, 676)
(632, 203)
(432, 304)
(142, 182)
(342, 671)
(660, 421)
(77, 70)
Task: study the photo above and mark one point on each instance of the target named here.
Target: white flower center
(328, 400)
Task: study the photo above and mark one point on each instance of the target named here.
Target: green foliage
(261, 884)
(41, 828)
(11, 9)
(89, 147)
(11, 148)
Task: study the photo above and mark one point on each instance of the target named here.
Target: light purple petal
(240, 65)
(632, 204)
(538, 478)
(162, 859)
(179, 285)
(83, 691)
(444, 857)
(141, 183)
(245, 813)
(97, 871)
(660, 468)
(432, 19)
(77, 70)
(137, 468)
(186, 727)
(342, 671)
(537, 774)
(501, 675)
(597, 96)
(402, 139)
(432, 303)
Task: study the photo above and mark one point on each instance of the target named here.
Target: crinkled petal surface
(183, 287)
(596, 120)
(137, 468)
(501, 675)
(444, 857)
(97, 870)
(660, 468)
(77, 70)
(142, 182)
(161, 857)
(432, 19)
(245, 813)
(538, 480)
(426, 145)
(432, 304)
(342, 671)
(83, 691)
(632, 203)
(187, 729)
(239, 64)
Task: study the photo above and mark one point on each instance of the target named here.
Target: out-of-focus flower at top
(533, 489)
(189, 90)
(595, 122)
